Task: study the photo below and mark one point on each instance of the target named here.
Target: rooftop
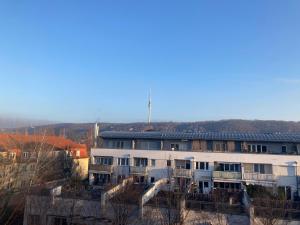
(14, 142)
(230, 136)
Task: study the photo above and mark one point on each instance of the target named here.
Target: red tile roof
(13, 141)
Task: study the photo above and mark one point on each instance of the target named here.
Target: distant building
(206, 160)
(29, 159)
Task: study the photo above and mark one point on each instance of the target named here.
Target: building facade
(206, 160)
(29, 159)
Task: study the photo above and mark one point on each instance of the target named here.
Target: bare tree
(124, 205)
(270, 211)
(42, 165)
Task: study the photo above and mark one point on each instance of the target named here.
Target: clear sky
(78, 61)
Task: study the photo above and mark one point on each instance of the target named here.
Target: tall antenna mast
(149, 108)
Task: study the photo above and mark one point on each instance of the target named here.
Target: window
(169, 163)
(141, 162)
(153, 162)
(174, 147)
(183, 164)
(120, 144)
(259, 148)
(209, 145)
(103, 160)
(123, 161)
(77, 153)
(12, 155)
(264, 149)
(283, 149)
(227, 167)
(152, 180)
(201, 165)
(33, 220)
(249, 148)
(25, 155)
(181, 146)
(148, 144)
(230, 167)
(256, 168)
(188, 165)
(221, 146)
(205, 184)
(259, 168)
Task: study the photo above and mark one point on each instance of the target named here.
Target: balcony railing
(227, 175)
(258, 177)
(139, 170)
(101, 168)
(203, 174)
(182, 172)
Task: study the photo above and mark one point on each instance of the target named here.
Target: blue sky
(78, 61)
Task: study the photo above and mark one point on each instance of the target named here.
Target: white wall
(283, 166)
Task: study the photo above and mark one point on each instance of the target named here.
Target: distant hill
(9, 122)
(83, 131)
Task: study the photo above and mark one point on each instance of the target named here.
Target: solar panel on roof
(238, 136)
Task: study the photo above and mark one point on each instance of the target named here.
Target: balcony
(227, 175)
(258, 177)
(202, 174)
(182, 172)
(101, 168)
(139, 170)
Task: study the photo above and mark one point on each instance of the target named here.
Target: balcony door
(204, 187)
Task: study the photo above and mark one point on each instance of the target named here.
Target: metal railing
(203, 174)
(182, 172)
(259, 177)
(138, 170)
(101, 168)
(227, 175)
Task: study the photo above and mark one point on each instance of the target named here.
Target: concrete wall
(46, 207)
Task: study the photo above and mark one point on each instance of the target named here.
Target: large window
(262, 168)
(153, 162)
(117, 144)
(174, 147)
(220, 146)
(230, 167)
(183, 164)
(257, 148)
(103, 160)
(169, 163)
(123, 161)
(148, 144)
(181, 146)
(209, 145)
(201, 165)
(283, 149)
(141, 162)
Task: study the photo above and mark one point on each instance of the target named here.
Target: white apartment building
(206, 160)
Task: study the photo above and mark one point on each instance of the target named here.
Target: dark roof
(234, 136)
